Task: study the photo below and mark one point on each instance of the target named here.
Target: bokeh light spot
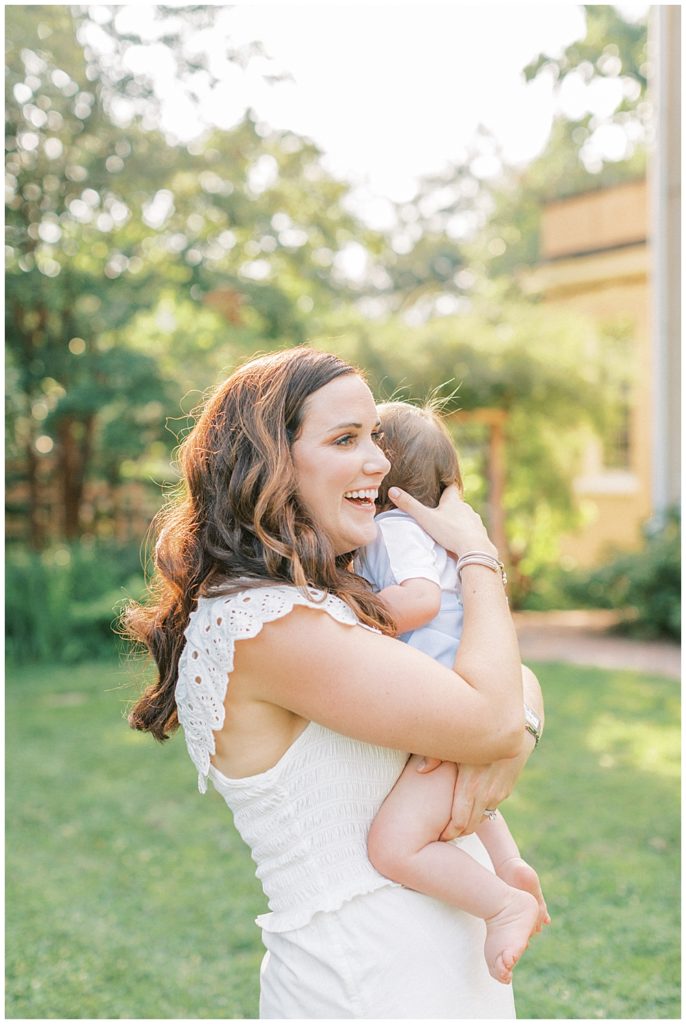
(44, 444)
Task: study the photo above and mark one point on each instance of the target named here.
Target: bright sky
(393, 92)
(389, 91)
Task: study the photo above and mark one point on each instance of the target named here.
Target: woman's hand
(454, 524)
(481, 787)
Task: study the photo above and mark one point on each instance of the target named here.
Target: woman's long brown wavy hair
(238, 521)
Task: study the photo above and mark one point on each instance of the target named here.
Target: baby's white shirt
(404, 551)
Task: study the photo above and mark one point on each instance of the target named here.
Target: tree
(598, 138)
(64, 208)
(609, 70)
(109, 222)
(479, 220)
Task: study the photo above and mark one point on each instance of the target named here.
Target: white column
(665, 189)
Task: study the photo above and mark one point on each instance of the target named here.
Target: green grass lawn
(130, 896)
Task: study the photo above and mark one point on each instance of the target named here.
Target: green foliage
(468, 226)
(608, 35)
(106, 218)
(140, 271)
(611, 56)
(497, 354)
(129, 896)
(62, 603)
(646, 584)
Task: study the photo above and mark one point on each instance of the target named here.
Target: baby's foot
(520, 875)
(508, 933)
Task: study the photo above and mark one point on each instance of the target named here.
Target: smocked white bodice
(306, 819)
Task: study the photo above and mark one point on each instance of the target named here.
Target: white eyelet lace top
(305, 819)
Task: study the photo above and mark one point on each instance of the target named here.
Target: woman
(304, 726)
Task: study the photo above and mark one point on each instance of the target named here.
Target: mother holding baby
(301, 707)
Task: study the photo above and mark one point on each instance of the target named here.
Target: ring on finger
(489, 813)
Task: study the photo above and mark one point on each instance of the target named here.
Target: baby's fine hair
(418, 445)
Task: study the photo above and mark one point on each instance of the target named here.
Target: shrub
(645, 583)
(62, 604)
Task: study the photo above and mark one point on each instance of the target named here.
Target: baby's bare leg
(509, 865)
(403, 846)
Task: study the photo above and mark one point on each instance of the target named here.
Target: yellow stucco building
(595, 259)
(614, 255)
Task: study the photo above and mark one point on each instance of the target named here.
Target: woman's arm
(481, 786)
(372, 688)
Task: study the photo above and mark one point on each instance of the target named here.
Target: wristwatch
(532, 723)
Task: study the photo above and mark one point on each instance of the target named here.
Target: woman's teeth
(368, 496)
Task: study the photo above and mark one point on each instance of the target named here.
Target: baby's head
(423, 460)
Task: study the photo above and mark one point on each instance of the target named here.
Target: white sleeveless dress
(342, 941)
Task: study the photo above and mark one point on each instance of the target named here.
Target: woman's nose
(376, 462)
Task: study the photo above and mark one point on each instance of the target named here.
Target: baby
(418, 581)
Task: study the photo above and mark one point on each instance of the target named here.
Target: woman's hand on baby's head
(454, 524)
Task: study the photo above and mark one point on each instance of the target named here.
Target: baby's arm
(412, 603)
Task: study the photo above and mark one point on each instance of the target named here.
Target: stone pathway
(582, 637)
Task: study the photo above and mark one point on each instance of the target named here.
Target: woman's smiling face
(338, 462)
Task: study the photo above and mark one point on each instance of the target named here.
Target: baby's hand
(428, 764)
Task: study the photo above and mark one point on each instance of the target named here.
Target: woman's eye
(377, 436)
(345, 440)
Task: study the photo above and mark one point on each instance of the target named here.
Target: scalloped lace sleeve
(206, 661)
